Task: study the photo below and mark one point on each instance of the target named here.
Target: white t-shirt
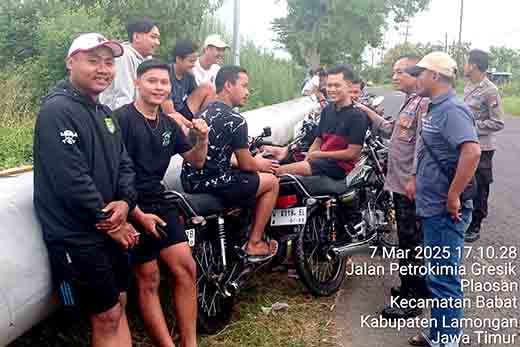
(311, 84)
(202, 75)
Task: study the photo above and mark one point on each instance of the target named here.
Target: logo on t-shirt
(166, 138)
(110, 125)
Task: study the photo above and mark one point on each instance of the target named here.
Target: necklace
(150, 119)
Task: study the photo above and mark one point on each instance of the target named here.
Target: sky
(486, 22)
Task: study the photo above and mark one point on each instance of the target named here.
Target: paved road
(368, 295)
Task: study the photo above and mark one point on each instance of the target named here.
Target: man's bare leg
(180, 262)
(110, 328)
(301, 168)
(266, 200)
(201, 97)
(148, 281)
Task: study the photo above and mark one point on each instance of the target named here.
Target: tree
(504, 59)
(327, 31)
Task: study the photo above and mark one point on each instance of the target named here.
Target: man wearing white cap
(84, 190)
(447, 158)
(208, 64)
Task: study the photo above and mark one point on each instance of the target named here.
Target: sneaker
(471, 237)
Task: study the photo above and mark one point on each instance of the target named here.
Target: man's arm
(316, 144)
(385, 127)
(468, 163)
(65, 163)
(496, 114)
(353, 152)
(197, 155)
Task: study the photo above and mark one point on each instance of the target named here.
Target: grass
(511, 105)
(307, 323)
(16, 145)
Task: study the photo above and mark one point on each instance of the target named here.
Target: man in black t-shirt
(186, 99)
(252, 180)
(341, 134)
(151, 139)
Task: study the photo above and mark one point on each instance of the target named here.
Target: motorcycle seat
(318, 185)
(202, 204)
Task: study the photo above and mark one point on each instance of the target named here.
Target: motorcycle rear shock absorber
(331, 212)
(222, 240)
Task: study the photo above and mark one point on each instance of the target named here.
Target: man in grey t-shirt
(448, 156)
(144, 37)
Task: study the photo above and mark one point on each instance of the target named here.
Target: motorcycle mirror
(378, 101)
(267, 131)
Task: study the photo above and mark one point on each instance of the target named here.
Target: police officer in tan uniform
(483, 97)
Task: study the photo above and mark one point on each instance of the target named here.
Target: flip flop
(261, 258)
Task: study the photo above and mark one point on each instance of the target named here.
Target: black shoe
(471, 235)
(397, 313)
(395, 291)
(420, 340)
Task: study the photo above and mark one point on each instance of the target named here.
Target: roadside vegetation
(308, 321)
(502, 59)
(38, 33)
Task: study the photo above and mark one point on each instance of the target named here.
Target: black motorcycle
(216, 235)
(324, 221)
(327, 220)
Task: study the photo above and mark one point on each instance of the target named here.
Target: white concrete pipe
(26, 295)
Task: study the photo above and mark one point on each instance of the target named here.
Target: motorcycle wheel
(388, 237)
(321, 276)
(214, 309)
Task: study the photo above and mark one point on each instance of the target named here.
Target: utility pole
(446, 43)
(407, 32)
(459, 48)
(236, 33)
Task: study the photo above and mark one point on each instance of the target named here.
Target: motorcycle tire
(307, 254)
(214, 309)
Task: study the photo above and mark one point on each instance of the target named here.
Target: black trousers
(410, 236)
(484, 177)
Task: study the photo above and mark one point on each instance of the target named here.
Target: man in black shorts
(186, 98)
(341, 134)
(151, 139)
(82, 175)
(252, 181)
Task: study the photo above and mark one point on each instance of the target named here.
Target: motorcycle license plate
(289, 216)
(190, 233)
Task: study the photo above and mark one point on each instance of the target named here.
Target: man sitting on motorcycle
(341, 134)
(251, 182)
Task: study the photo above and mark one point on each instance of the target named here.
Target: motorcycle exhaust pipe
(233, 287)
(350, 249)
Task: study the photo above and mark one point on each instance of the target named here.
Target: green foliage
(331, 31)
(16, 146)
(505, 59)
(54, 42)
(36, 34)
(272, 80)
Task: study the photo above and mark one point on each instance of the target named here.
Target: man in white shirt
(208, 64)
(144, 37)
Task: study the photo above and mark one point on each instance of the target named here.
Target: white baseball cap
(90, 41)
(216, 41)
(439, 62)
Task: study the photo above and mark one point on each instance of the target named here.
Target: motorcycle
(322, 219)
(216, 235)
(328, 220)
